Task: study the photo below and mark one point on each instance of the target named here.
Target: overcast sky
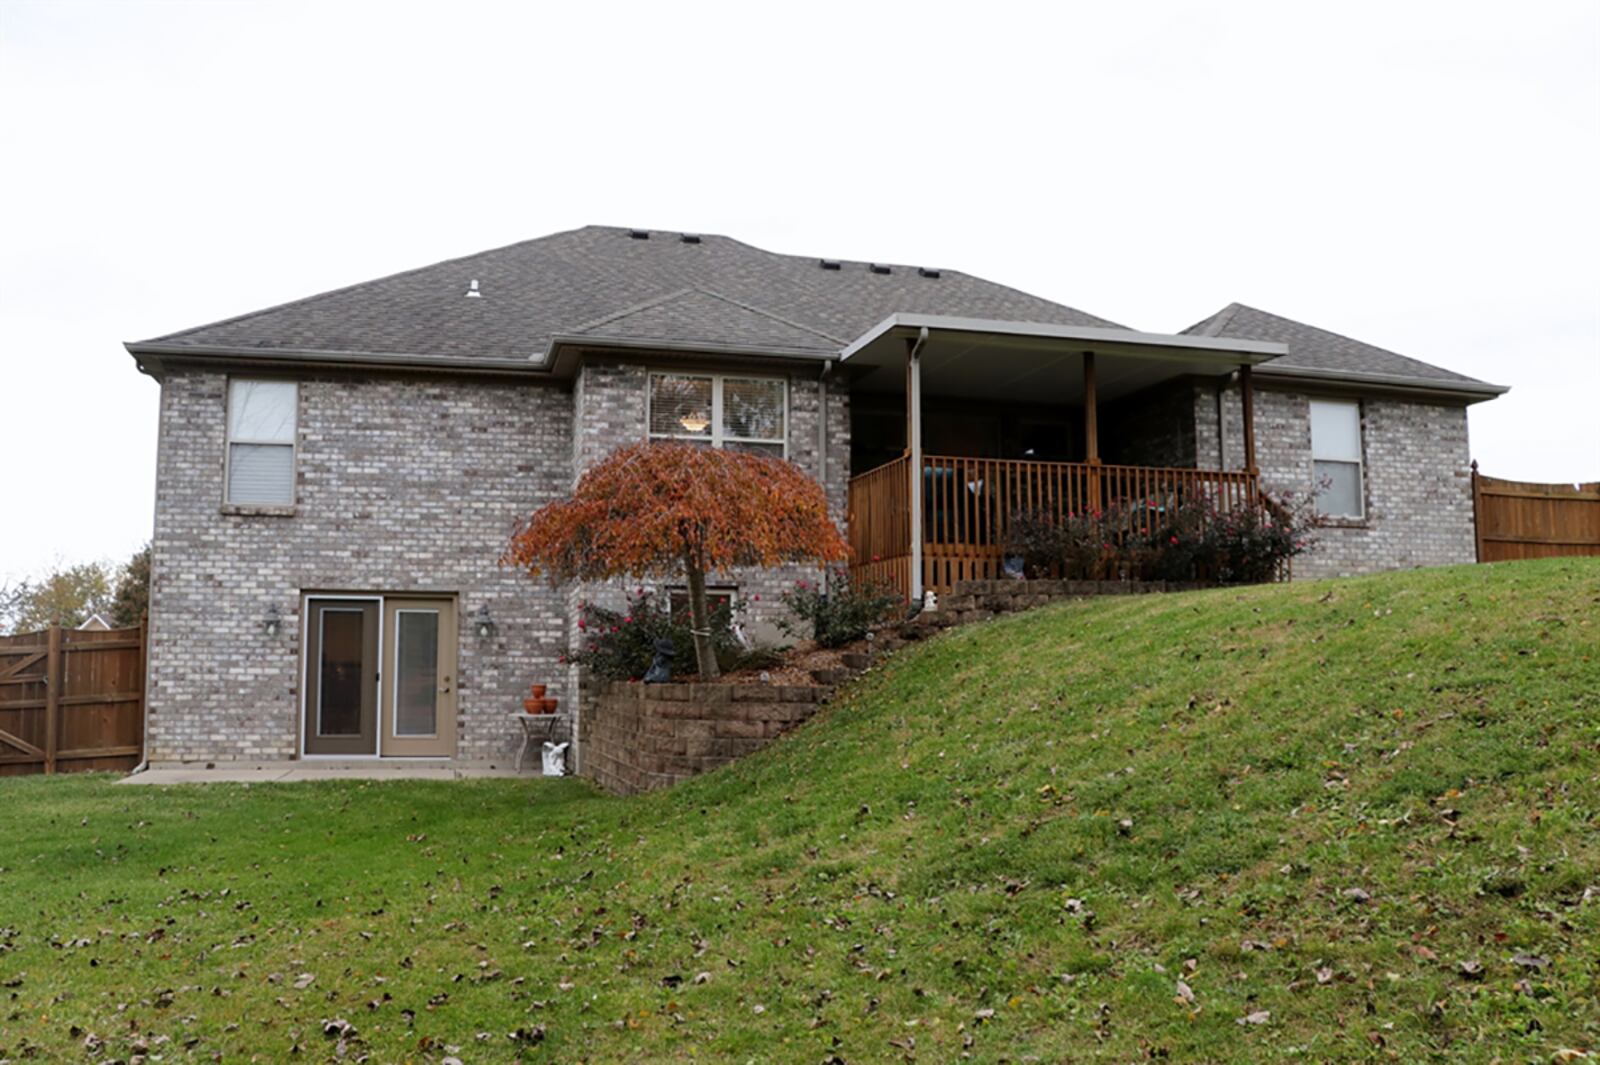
(1422, 176)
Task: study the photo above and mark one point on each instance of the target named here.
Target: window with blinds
(1336, 457)
(738, 413)
(261, 424)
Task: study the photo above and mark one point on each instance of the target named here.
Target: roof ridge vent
(879, 268)
(639, 234)
(690, 238)
(829, 264)
(928, 271)
(472, 290)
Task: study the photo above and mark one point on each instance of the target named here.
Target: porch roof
(1042, 362)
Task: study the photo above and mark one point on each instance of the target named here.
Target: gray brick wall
(405, 485)
(410, 484)
(610, 405)
(1417, 477)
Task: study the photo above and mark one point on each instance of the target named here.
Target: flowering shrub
(621, 644)
(840, 613)
(1075, 544)
(1162, 538)
(1251, 544)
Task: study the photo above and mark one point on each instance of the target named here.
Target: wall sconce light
(695, 422)
(273, 621)
(483, 622)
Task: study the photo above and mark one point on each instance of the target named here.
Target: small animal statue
(930, 602)
(660, 671)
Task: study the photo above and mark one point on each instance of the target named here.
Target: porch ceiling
(1037, 362)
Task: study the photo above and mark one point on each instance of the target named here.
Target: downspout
(914, 446)
(822, 446)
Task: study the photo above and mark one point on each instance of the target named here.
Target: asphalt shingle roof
(1311, 348)
(600, 282)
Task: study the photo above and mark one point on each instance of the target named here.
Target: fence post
(52, 696)
(1477, 516)
(144, 681)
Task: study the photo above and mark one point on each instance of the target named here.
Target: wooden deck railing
(880, 525)
(968, 503)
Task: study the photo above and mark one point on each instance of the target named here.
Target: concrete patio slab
(294, 772)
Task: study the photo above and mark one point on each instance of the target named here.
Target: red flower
(1174, 541)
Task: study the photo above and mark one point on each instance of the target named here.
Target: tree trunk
(705, 655)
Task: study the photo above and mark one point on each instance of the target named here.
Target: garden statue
(660, 671)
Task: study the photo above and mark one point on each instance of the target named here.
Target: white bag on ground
(555, 759)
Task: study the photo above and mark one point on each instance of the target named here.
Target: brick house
(337, 476)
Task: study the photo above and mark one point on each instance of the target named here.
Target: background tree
(66, 597)
(660, 510)
(132, 597)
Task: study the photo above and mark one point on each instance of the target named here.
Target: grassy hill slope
(1327, 821)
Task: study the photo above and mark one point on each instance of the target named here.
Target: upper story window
(1336, 457)
(741, 413)
(261, 423)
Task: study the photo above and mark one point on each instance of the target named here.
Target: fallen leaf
(1258, 1017)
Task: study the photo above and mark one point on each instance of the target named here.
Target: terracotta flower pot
(532, 706)
(548, 706)
(536, 691)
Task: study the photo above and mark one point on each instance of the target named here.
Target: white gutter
(1252, 351)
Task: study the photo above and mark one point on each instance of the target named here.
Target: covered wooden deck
(967, 505)
(923, 521)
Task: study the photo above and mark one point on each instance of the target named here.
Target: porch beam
(1247, 397)
(914, 450)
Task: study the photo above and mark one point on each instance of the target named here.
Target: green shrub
(1165, 539)
(837, 612)
(621, 644)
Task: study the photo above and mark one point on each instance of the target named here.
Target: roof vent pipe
(472, 290)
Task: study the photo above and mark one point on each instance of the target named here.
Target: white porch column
(914, 447)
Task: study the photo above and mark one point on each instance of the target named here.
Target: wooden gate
(71, 700)
(1521, 519)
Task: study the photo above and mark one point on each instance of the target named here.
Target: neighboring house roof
(601, 282)
(1317, 352)
(94, 622)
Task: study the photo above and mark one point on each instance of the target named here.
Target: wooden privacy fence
(71, 700)
(1520, 519)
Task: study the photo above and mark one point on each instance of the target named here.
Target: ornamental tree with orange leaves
(666, 509)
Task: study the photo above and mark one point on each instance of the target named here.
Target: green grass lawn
(1330, 821)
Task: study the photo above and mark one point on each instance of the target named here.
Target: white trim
(394, 681)
(1358, 460)
(1257, 350)
(228, 441)
(717, 438)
